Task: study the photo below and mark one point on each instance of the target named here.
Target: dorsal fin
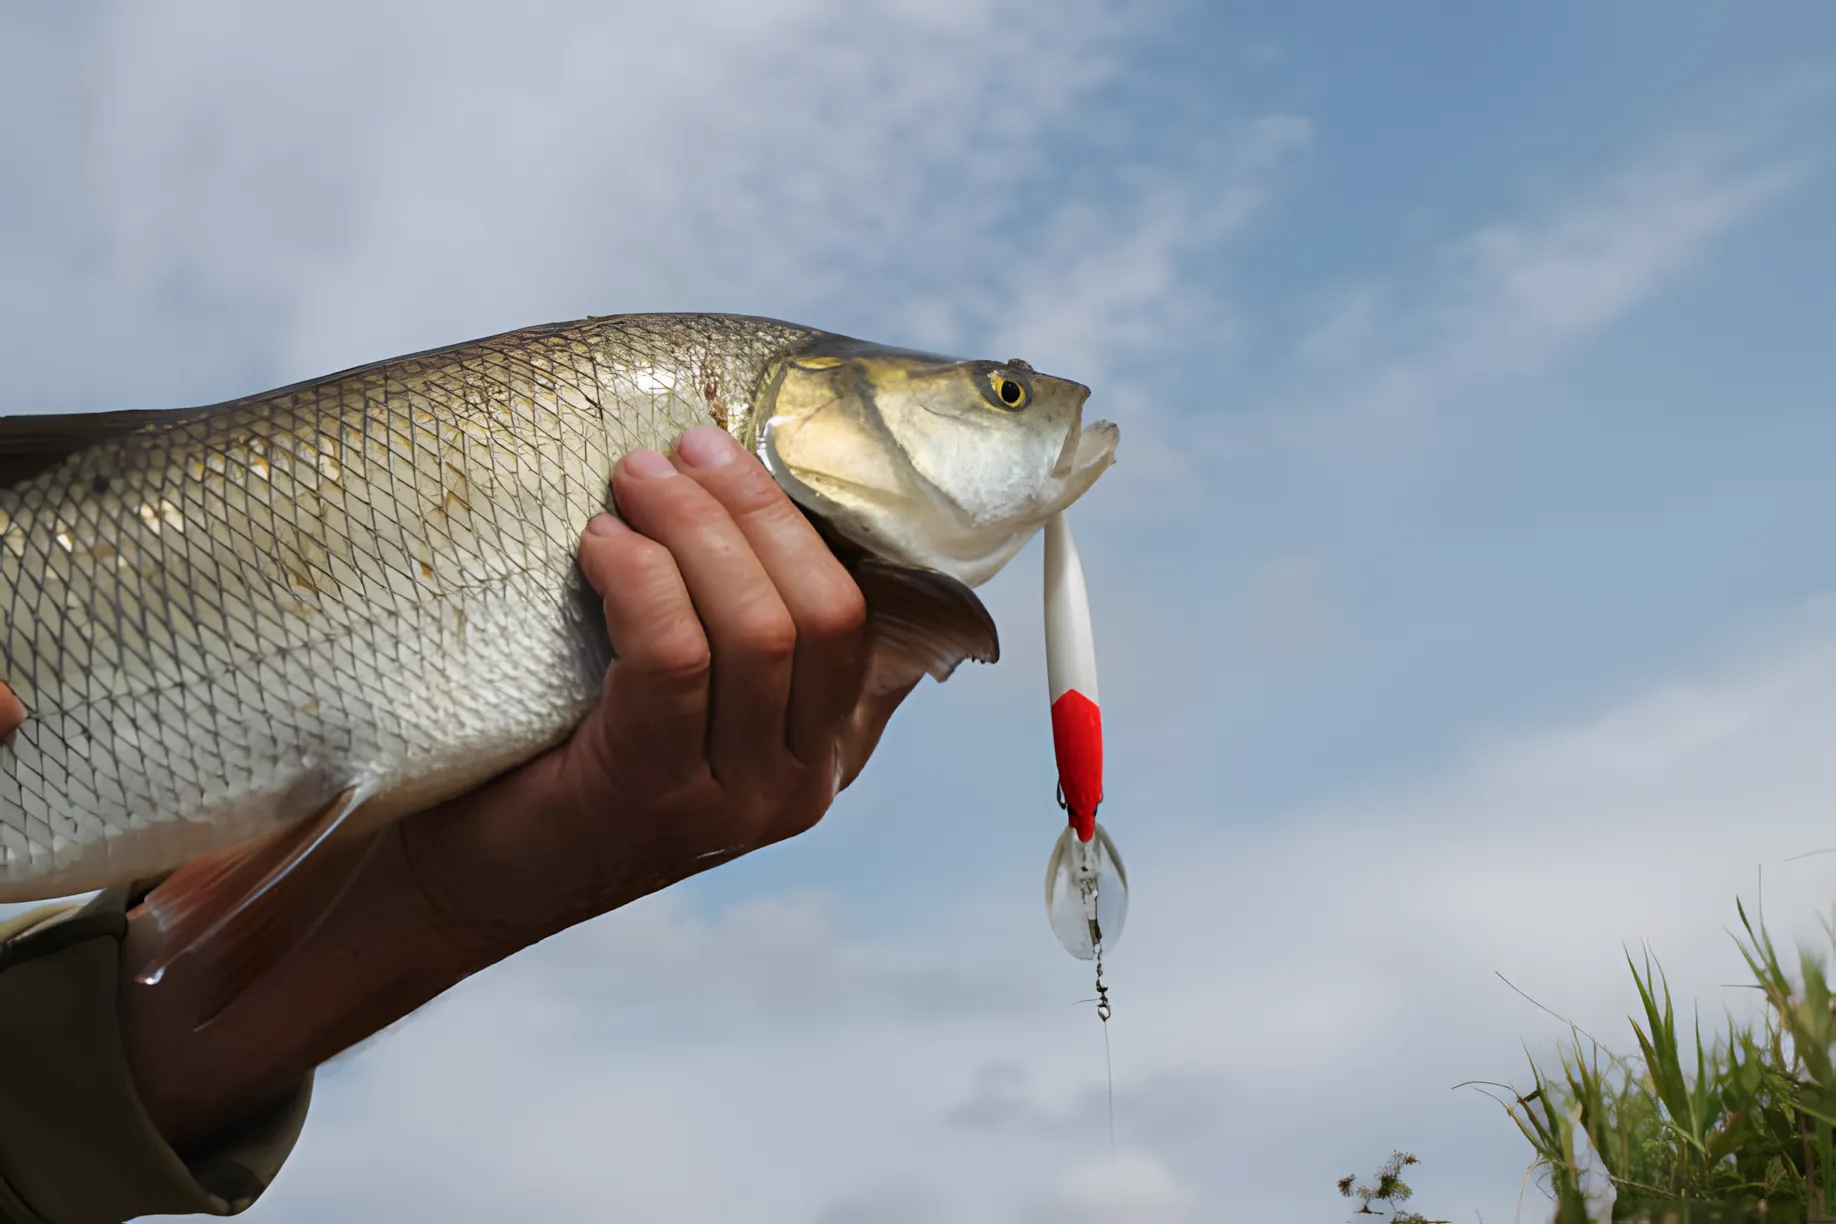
(30, 445)
(33, 444)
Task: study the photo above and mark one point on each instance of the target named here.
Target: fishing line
(1104, 1011)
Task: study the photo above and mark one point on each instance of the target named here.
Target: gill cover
(925, 460)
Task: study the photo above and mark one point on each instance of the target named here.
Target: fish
(245, 631)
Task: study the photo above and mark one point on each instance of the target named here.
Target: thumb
(12, 713)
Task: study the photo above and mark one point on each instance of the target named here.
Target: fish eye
(1007, 391)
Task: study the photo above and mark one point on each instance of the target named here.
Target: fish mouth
(1087, 454)
(1090, 449)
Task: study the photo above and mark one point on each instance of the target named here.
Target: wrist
(506, 866)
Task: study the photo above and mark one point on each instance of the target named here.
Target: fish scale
(219, 621)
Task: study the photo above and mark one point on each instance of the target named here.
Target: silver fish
(358, 596)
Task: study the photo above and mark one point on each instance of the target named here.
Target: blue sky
(1464, 589)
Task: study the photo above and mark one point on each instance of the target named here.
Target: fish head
(925, 460)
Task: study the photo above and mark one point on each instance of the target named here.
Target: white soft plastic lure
(1086, 884)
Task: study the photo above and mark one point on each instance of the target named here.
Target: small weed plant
(1388, 1191)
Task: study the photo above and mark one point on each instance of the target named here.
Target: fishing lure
(1086, 883)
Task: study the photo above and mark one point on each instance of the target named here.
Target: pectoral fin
(922, 623)
(234, 913)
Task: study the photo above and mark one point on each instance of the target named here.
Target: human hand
(733, 715)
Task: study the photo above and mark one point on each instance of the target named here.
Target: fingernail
(707, 446)
(648, 463)
(606, 525)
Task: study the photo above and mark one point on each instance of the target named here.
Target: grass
(1737, 1127)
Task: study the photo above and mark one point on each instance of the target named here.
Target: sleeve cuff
(76, 1145)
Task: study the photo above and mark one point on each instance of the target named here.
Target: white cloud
(1098, 289)
(1534, 286)
(1513, 296)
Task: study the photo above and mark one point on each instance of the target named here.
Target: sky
(1464, 588)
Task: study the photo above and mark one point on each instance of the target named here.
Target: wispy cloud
(1109, 278)
(1514, 296)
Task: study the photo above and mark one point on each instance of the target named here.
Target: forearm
(374, 960)
(418, 918)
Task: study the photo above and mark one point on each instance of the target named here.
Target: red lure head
(1077, 740)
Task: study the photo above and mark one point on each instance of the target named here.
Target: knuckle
(747, 488)
(766, 507)
(655, 504)
(631, 569)
(639, 581)
(839, 612)
(675, 649)
(650, 562)
(766, 630)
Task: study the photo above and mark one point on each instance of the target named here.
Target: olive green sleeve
(76, 1145)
